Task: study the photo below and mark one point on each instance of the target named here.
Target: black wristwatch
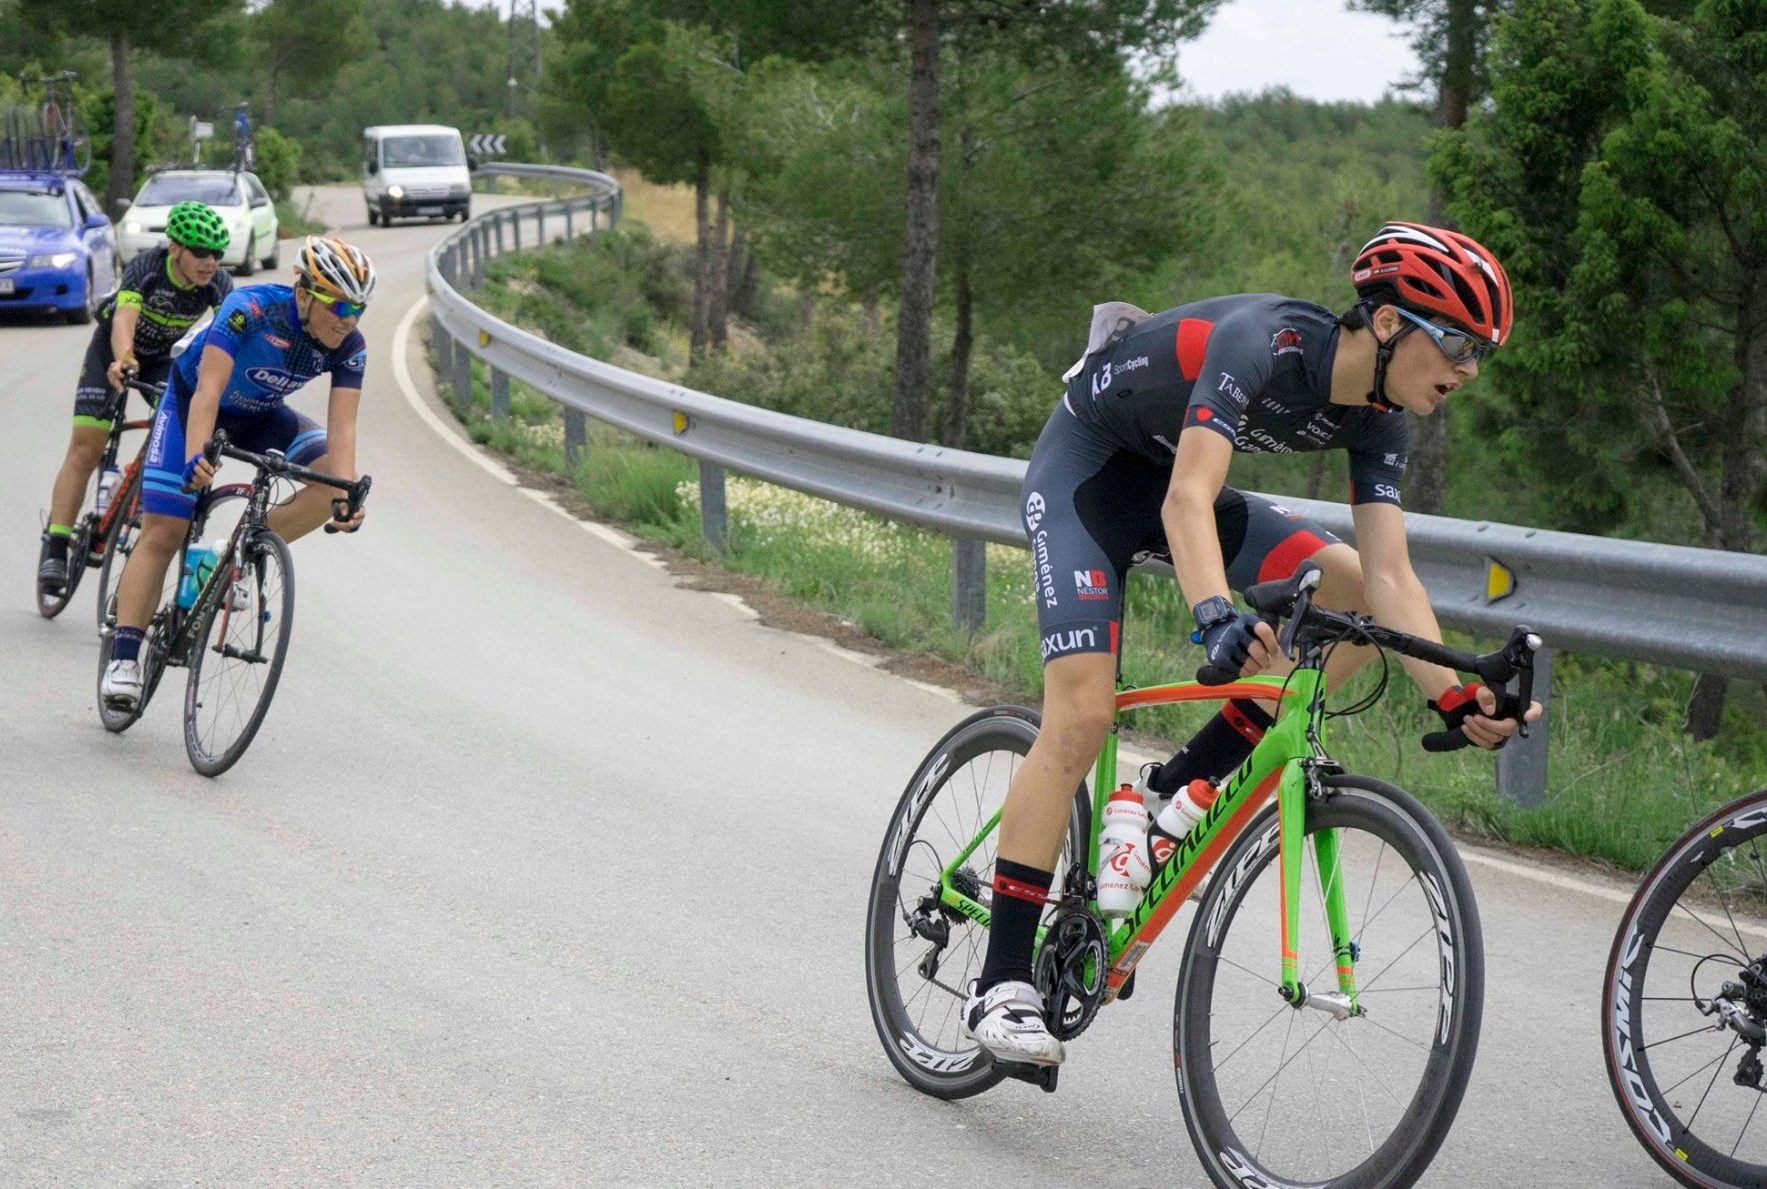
(1208, 613)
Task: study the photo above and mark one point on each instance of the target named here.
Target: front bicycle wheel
(920, 954)
(1316, 1095)
(49, 605)
(237, 658)
(1684, 1002)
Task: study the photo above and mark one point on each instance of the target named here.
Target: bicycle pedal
(1128, 987)
(1041, 1076)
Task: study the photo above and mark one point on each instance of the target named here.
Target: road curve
(546, 871)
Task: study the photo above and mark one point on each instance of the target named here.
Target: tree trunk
(696, 346)
(1705, 709)
(1427, 472)
(962, 348)
(920, 250)
(720, 281)
(122, 144)
(744, 271)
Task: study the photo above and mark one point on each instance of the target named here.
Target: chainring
(1070, 971)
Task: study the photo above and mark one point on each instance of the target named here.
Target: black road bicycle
(233, 637)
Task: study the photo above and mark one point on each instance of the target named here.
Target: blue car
(58, 250)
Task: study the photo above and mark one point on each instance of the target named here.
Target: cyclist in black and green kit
(163, 294)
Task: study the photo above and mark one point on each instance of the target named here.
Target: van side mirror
(122, 204)
(373, 166)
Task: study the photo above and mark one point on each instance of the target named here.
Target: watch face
(1212, 611)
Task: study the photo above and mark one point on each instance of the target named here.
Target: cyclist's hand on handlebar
(1237, 647)
(198, 473)
(1473, 708)
(339, 523)
(119, 371)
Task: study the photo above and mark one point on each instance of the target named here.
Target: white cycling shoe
(1007, 1020)
(121, 687)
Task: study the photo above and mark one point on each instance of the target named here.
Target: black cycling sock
(56, 547)
(1216, 750)
(127, 644)
(1019, 895)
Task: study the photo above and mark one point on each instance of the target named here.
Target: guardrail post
(540, 226)
(1521, 765)
(969, 583)
(500, 221)
(516, 222)
(570, 223)
(462, 378)
(576, 437)
(713, 514)
(499, 395)
(477, 272)
(443, 342)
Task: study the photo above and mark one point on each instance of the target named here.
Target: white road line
(402, 373)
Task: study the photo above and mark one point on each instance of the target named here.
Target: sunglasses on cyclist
(204, 253)
(1457, 345)
(337, 305)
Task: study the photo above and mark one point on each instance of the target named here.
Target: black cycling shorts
(1092, 510)
(95, 402)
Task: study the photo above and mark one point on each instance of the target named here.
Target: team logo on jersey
(1090, 585)
(1286, 341)
(277, 342)
(1034, 508)
(358, 361)
(236, 321)
(273, 379)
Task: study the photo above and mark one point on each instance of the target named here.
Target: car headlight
(132, 227)
(52, 260)
(395, 191)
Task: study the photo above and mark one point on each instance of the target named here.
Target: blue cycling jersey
(272, 356)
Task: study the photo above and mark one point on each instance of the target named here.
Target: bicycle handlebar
(1292, 598)
(342, 510)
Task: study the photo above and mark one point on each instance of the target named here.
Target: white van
(415, 170)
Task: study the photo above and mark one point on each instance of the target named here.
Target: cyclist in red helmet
(1133, 464)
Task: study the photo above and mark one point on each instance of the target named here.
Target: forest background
(905, 209)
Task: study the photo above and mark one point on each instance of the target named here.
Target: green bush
(278, 162)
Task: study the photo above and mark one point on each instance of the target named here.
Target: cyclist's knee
(1340, 585)
(85, 446)
(161, 534)
(1079, 703)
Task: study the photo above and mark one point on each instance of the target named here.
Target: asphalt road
(546, 871)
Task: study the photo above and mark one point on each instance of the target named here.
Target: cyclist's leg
(95, 406)
(303, 443)
(1087, 509)
(1260, 540)
(166, 511)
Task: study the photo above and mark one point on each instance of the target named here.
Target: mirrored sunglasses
(1457, 345)
(204, 253)
(337, 305)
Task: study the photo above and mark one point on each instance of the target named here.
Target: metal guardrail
(1698, 609)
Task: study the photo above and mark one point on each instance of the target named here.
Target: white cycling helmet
(336, 268)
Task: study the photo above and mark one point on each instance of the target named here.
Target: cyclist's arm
(122, 337)
(1188, 513)
(340, 432)
(1397, 599)
(212, 375)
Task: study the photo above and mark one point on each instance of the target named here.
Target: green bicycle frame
(1275, 766)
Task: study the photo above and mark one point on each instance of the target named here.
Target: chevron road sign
(487, 145)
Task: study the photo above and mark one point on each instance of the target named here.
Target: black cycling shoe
(52, 575)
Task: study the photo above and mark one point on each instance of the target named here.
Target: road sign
(486, 144)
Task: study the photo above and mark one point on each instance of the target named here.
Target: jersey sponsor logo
(1034, 508)
(1259, 441)
(1272, 404)
(1045, 571)
(1091, 585)
(1394, 460)
(1286, 341)
(276, 341)
(1386, 491)
(1074, 640)
(358, 361)
(274, 379)
(236, 321)
(1104, 376)
(1229, 387)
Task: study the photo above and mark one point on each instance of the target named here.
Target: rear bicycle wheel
(237, 658)
(118, 542)
(1276, 1094)
(1684, 1003)
(919, 954)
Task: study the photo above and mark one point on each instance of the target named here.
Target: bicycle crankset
(1070, 971)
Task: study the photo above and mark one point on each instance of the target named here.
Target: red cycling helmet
(1441, 274)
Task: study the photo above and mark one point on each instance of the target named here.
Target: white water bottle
(1123, 869)
(1178, 819)
(107, 487)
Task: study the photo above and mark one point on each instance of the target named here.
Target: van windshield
(405, 152)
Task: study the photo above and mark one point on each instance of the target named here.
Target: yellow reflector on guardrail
(681, 423)
(1499, 580)
(484, 338)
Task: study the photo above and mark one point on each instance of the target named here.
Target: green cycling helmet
(194, 225)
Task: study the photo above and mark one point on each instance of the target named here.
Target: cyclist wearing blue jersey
(1133, 463)
(265, 342)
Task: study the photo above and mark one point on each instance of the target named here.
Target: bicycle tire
(119, 540)
(267, 572)
(938, 1060)
(1710, 876)
(1435, 1029)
